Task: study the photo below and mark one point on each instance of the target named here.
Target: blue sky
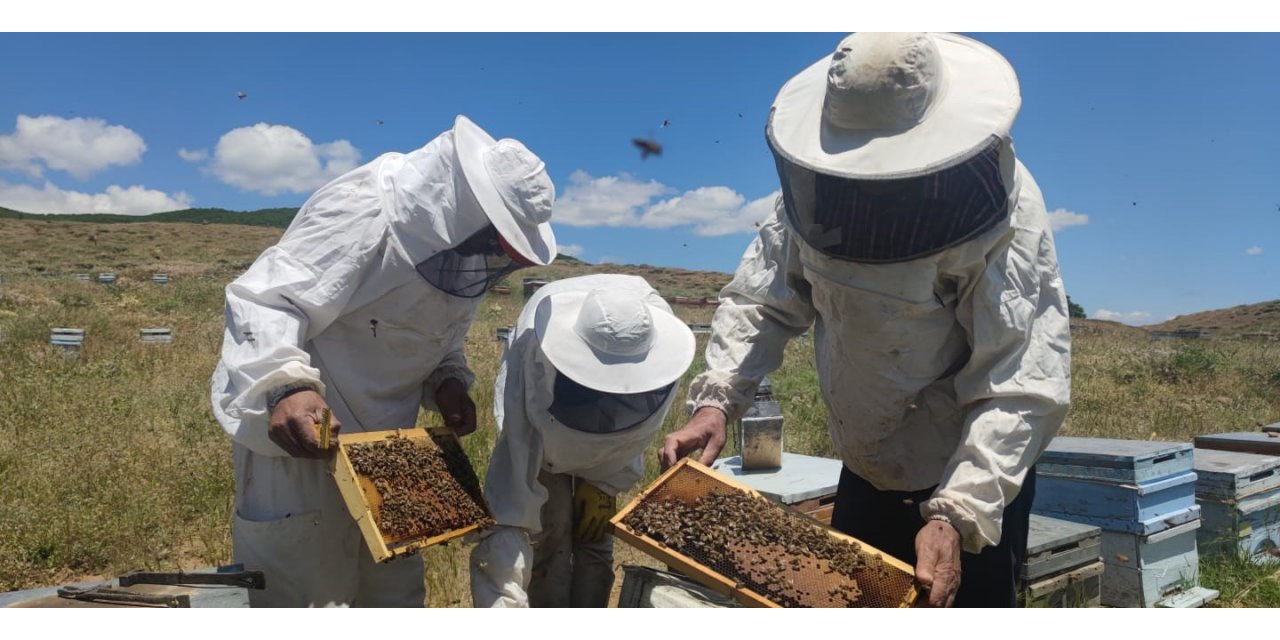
(1157, 152)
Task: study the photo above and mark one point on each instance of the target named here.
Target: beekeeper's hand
(705, 430)
(456, 407)
(592, 509)
(938, 562)
(295, 425)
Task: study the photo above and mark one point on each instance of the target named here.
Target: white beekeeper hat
(613, 341)
(895, 105)
(512, 186)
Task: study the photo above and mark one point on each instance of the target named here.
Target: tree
(1074, 310)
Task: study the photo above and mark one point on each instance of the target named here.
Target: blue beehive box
(1239, 494)
(1140, 509)
(1264, 442)
(1104, 459)
(1063, 567)
(1131, 486)
(1155, 569)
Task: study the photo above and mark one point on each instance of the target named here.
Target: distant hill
(279, 218)
(1262, 317)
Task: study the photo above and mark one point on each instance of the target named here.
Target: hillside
(1262, 317)
(61, 245)
(260, 218)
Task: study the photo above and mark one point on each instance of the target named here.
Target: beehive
(756, 573)
(458, 490)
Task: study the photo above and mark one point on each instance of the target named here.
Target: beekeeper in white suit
(919, 248)
(584, 387)
(363, 307)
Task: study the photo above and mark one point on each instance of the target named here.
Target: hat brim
(668, 359)
(537, 243)
(979, 99)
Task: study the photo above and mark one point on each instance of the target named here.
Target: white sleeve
(453, 366)
(501, 567)
(511, 484)
(291, 293)
(1016, 386)
(767, 303)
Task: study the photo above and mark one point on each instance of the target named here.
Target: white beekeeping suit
(918, 247)
(366, 299)
(583, 389)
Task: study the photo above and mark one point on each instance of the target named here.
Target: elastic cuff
(280, 393)
(461, 374)
(971, 538)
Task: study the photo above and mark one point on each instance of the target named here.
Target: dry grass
(112, 460)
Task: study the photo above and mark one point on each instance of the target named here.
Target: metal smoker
(760, 431)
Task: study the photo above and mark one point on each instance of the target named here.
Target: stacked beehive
(1239, 495)
(1064, 564)
(1142, 495)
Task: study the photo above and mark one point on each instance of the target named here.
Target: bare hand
(295, 425)
(938, 562)
(456, 407)
(705, 430)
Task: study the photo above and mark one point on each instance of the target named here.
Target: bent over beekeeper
(363, 308)
(917, 245)
(584, 387)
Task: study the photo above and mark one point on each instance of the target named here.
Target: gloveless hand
(456, 407)
(938, 562)
(295, 425)
(705, 430)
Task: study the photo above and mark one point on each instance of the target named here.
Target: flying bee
(647, 147)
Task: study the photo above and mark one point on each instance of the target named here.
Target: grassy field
(112, 461)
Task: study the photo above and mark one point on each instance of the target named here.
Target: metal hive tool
(762, 573)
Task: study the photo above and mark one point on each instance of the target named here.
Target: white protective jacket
(337, 301)
(951, 370)
(532, 440)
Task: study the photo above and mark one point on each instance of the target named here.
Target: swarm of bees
(761, 546)
(426, 488)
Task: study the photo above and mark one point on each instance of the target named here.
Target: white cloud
(1253, 251)
(1126, 317)
(574, 250)
(609, 260)
(271, 159)
(78, 146)
(1060, 219)
(624, 201)
(193, 155)
(135, 200)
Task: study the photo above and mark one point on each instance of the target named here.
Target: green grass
(112, 461)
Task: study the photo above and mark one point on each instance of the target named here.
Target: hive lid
(1231, 475)
(800, 478)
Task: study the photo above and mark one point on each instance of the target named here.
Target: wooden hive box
(106, 277)
(156, 335)
(81, 277)
(67, 338)
(1136, 509)
(889, 583)
(1111, 460)
(160, 278)
(806, 484)
(1132, 486)
(1159, 569)
(1239, 494)
(1263, 442)
(363, 499)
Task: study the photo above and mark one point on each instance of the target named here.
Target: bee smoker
(760, 431)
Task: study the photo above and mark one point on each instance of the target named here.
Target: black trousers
(889, 521)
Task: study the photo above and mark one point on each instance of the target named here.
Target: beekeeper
(584, 387)
(918, 246)
(363, 307)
